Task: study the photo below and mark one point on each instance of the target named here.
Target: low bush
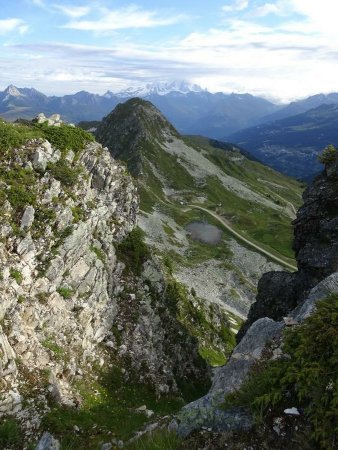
(329, 154)
(66, 137)
(133, 250)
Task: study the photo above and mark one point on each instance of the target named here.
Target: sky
(279, 49)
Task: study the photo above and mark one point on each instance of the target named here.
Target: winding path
(243, 239)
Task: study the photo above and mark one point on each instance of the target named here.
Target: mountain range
(291, 145)
(287, 138)
(190, 108)
(127, 268)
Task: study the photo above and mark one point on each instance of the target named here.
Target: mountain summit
(130, 127)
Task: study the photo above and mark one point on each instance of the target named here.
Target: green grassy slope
(265, 225)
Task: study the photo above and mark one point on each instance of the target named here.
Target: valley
(191, 179)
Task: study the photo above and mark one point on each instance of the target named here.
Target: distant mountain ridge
(191, 109)
(291, 145)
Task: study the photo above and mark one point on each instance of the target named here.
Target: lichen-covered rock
(58, 278)
(27, 218)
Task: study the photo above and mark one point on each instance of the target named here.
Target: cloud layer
(283, 49)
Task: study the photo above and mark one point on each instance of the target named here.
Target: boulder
(27, 218)
(48, 442)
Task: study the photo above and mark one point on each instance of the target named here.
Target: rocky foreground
(77, 298)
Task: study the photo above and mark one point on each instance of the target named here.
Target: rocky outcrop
(69, 305)
(59, 268)
(208, 412)
(316, 248)
(316, 227)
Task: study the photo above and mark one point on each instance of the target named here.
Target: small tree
(329, 154)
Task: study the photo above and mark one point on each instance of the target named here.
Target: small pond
(204, 232)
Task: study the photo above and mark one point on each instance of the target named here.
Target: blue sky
(283, 49)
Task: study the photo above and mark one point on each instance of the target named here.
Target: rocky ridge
(69, 304)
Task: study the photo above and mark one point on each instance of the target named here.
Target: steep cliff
(75, 306)
(316, 249)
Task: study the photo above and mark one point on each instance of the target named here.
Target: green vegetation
(255, 221)
(22, 187)
(65, 292)
(99, 253)
(78, 214)
(65, 173)
(11, 434)
(271, 228)
(305, 378)
(108, 411)
(15, 135)
(20, 183)
(65, 137)
(329, 155)
(133, 251)
(215, 343)
(158, 440)
(58, 351)
(16, 274)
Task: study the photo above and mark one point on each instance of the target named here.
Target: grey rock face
(323, 289)
(47, 442)
(316, 227)
(278, 294)
(54, 287)
(27, 218)
(316, 247)
(207, 411)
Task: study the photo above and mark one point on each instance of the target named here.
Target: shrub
(66, 137)
(58, 351)
(16, 274)
(13, 136)
(63, 172)
(158, 440)
(10, 434)
(329, 155)
(133, 250)
(307, 378)
(65, 292)
(98, 252)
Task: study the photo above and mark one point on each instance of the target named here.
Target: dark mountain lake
(204, 232)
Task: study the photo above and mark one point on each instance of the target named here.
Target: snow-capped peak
(182, 87)
(13, 91)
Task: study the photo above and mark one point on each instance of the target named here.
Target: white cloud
(124, 18)
(238, 5)
(40, 3)
(297, 56)
(268, 8)
(9, 25)
(73, 12)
